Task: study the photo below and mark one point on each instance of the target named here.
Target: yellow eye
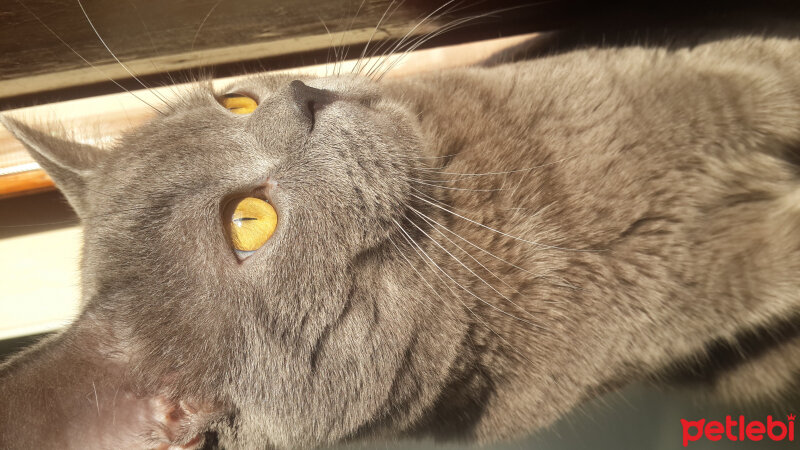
(238, 103)
(252, 223)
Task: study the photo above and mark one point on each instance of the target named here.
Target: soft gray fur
(638, 208)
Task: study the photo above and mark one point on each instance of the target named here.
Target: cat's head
(315, 334)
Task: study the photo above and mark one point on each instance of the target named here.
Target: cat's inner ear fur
(67, 162)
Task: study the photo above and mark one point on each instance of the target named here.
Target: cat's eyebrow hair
(102, 41)
(72, 49)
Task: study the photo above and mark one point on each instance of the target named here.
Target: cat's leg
(762, 367)
(68, 392)
(771, 378)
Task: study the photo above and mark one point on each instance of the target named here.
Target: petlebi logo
(738, 429)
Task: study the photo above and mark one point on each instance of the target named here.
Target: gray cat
(464, 254)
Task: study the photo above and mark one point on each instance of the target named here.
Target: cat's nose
(308, 99)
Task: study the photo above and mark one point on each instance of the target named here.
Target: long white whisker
(155, 93)
(403, 39)
(431, 262)
(449, 27)
(434, 224)
(538, 244)
(481, 279)
(439, 202)
(328, 55)
(357, 68)
(534, 275)
(413, 180)
(484, 174)
(415, 43)
(400, 252)
(349, 28)
(153, 46)
(481, 248)
(203, 22)
(418, 41)
(84, 59)
(429, 180)
(430, 157)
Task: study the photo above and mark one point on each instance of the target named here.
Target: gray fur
(649, 209)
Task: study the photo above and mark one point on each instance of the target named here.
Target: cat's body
(469, 253)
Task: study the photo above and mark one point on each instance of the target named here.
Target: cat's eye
(238, 103)
(252, 223)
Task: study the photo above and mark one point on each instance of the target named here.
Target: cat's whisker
(341, 41)
(430, 157)
(435, 200)
(441, 30)
(415, 43)
(430, 180)
(102, 41)
(424, 280)
(502, 233)
(376, 52)
(381, 60)
(75, 52)
(438, 271)
(358, 67)
(441, 203)
(448, 184)
(467, 211)
(403, 39)
(432, 263)
(435, 292)
(425, 218)
(413, 180)
(436, 225)
(203, 22)
(75, 221)
(461, 263)
(485, 174)
(509, 263)
(172, 83)
(330, 46)
(563, 282)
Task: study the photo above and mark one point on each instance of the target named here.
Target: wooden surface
(161, 36)
(160, 40)
(27, 182)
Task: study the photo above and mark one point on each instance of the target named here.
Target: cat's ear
(68, 163)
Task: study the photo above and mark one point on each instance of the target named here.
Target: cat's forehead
(199, 133)
(196, 137)
(197, 119)
(264, 85)
(200, 147)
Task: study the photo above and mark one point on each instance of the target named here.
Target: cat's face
(337, 177)
(306, 337)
